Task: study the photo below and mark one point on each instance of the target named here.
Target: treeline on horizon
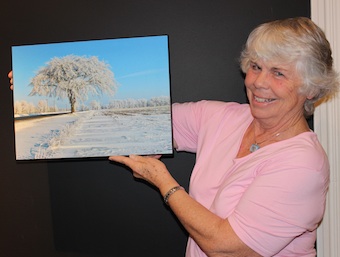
(24, 107)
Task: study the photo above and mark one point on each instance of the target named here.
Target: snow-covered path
(94, 134)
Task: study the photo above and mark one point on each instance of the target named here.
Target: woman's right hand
(10, 76)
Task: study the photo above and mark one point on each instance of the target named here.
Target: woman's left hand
(148, 168)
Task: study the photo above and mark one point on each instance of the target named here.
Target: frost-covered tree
(31, 108)
(24, 107)
(159, 101)
(75, 78)
(17, 107)
(83, 107)
(137, 103)
(42, 106)
(95, 105)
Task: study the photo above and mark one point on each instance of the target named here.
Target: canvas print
(92, 98)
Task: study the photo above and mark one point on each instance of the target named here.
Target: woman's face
(273, 92)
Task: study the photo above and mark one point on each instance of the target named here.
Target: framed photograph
(92, 98)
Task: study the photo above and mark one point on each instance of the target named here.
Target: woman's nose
(261, 80)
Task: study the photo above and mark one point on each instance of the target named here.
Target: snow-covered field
(95, 134)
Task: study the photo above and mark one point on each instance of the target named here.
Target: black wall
(92, 207)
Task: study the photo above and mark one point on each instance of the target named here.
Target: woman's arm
(213, 234)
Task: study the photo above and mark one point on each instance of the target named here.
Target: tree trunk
(72, 100)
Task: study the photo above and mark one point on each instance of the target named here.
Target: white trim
(326, 13)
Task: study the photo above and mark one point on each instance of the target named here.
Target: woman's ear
(312, 94)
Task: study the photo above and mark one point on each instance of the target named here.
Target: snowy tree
(42, 106)
(75, 78)
(17, 107)
(95, 105)
(159, 101)
(31, 108)
(83, 107)
(142, 102)
(24, 107)
(138, 103)
(55, 108)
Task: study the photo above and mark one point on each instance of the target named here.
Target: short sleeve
(284, 201)
(189, 118)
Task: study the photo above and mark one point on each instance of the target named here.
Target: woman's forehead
(275, 63)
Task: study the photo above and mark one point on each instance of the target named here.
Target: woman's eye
(277, 73)
(254, 66)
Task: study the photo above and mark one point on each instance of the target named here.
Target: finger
(155, 156)
(120, 159)
(10, 76)
(136, 158)
(131, 161)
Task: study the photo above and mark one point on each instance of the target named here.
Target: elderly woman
(260, 180)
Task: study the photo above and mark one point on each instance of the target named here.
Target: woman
(259, 184)
(260, 180)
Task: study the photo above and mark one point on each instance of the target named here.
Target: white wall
(326, 13)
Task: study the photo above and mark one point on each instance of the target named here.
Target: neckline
(256, 145)
(270, 145)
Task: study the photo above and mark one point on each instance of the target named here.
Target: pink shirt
(273, 198)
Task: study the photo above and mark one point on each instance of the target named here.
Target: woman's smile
(263, 100)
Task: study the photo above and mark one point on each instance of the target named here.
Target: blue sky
(140, 65)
